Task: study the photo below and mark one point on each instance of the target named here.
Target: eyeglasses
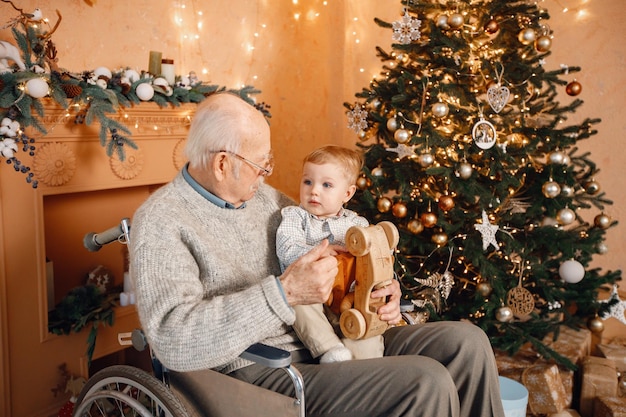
(266, 171)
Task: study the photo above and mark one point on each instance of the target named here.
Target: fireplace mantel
(80, 190)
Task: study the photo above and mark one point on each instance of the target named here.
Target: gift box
(546, 393)
(609, 407)
(599, 379)
(617, 353)
(574, 344)
(566, 413)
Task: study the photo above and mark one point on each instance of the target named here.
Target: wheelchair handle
(93, 242)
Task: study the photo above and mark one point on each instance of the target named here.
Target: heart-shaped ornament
(498, 96)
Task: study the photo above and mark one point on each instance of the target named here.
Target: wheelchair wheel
(122, 390)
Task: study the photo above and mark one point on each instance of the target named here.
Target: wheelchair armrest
(268, 356)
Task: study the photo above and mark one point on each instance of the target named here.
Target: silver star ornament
(488, 232)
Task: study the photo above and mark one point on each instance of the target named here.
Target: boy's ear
(349, 193)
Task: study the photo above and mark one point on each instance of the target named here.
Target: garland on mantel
(34, 74)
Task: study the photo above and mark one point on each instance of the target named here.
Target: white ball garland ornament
(144, 91)
(571, 271)
(37, 87)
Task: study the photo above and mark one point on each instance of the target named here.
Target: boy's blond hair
(350, 160)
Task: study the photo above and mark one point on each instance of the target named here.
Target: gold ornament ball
(574, 88)
(440, 109)
(504, 314)
(595, 324)
(527, 36)
(484, 289)
(362, 183)
(602, 221)
(428, 219)
(439, 239)
(492, 27)
(592, 187)
(384, 204)
(402, 136)
(399, 210)
(442, 22)
(543, 43)
(456, 20)
(415, 226)
(551, 189)
(445, 202)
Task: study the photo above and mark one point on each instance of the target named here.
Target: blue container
(514, 397)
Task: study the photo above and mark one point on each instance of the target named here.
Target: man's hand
(309, 280)
(390, 312)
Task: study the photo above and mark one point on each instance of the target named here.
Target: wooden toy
(370, 266)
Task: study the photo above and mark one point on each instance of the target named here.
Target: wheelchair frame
(125, 390)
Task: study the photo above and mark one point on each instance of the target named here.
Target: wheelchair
(123, 390)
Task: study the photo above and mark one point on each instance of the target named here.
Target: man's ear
(220, 166)
(349, 193)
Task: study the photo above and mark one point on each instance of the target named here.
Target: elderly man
(209, 284)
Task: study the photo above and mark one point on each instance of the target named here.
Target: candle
(123, 299)
(154, 65)
(168, 71)
(128, 284)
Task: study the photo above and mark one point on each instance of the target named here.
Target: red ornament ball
(574, 88)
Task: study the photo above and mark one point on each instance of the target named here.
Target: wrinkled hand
(390, 312)
(310, 279)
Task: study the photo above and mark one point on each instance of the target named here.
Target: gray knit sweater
(205, 277)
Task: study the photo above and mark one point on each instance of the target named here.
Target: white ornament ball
(392, 124)
(402, 136)
(551, 189)
(442, 22)
(132, 75)
(465, 170)
(567, 191)
(602, 248)
(504, 314)
(101, 83)
(527, 36)
(426, 160)
(37, 87)
(571, 271)
(104, 71)
(440, 109)
(556, 157)
(144, 91)
(378, 172)
(566, 216)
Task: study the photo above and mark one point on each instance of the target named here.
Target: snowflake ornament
(406, 30)
(488, 232)
(357, 119)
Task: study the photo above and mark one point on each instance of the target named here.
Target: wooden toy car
(370, 266)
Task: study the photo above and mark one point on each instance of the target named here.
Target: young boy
(329, 177)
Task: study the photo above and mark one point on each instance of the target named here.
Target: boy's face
(324, 189)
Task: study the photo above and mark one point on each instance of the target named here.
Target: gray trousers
(433, 369)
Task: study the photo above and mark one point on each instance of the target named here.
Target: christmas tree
(469, 152)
